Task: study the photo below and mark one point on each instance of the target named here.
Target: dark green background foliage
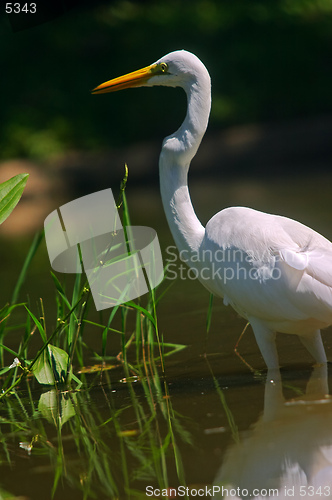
(269, 60)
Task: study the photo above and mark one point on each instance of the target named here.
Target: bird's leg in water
(266, 340)
(314, 344)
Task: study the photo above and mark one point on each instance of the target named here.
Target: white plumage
(274, 271)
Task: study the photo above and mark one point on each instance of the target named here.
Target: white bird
(274, 271)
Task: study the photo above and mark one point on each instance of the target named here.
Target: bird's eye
(163, 67)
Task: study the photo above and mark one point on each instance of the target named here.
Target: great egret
(274, 271)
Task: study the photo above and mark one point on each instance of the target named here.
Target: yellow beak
(134, 79)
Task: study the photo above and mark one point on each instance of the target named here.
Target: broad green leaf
(60, 363)
(42, 370)
(10, 194)
(56, 408)
(48, 406)
(56, 373)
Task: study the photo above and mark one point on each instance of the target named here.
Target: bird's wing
(316, 263)
(308, 251)
(293, 263)
(296, 260)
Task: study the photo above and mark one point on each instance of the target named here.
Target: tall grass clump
(58, 360)
(64, 346)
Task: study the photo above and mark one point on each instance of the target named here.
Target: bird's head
(177, 69)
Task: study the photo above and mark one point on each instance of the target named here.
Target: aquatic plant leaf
(56, 407)
(128, 433)
(67, 409)
(42, 370)
(60, 363)
(48, 406)
(10, 194)
(57, 372)
(97, 368)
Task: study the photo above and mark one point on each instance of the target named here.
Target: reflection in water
(112, 440)
(288, 453)
(99, 443)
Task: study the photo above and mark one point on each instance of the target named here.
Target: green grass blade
(209, 313)
(15, 354)
(32, 251)
(144, 311)
(60, 290)
(38, 325)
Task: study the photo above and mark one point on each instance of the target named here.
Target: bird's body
(272, 255)
(274, 271)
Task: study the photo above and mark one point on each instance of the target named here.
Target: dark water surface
(208, 420)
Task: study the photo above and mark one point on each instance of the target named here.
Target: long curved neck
(176, 155)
